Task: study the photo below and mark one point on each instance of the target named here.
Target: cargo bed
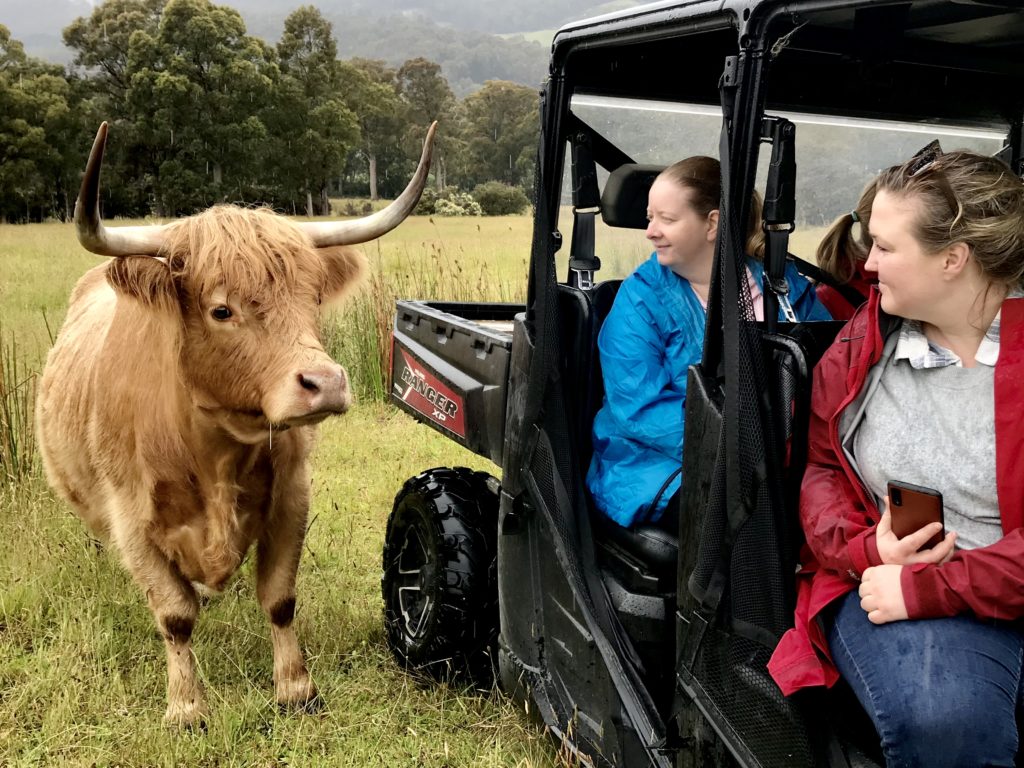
(449, 369)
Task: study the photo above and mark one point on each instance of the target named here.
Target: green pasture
(82, 671)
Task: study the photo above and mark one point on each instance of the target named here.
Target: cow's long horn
(329, 233)
(120, 241)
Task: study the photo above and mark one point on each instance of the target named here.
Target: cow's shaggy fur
(182, 435)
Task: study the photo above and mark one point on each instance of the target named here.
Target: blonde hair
(966, 198)
(702, 175)
(254, 252)
(839, 250)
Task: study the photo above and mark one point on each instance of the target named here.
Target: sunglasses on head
(923, 162)
(924, 158)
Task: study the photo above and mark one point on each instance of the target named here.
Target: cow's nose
(314, 382)
(325, 388)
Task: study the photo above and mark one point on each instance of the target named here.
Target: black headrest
(624, 199)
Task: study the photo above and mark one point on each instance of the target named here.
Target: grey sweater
(933, 427)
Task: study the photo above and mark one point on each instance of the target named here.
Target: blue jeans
(941, 692)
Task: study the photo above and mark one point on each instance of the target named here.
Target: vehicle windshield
(835, 158)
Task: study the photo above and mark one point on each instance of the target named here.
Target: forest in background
(473, 40)
(204, 111)
(201, 112)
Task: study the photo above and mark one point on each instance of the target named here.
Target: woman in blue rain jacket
(654, 332)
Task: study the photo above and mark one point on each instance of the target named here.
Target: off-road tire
(440, 583)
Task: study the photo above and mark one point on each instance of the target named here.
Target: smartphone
(912, 507)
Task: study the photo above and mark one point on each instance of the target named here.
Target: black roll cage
(738, 41)
(749, 57)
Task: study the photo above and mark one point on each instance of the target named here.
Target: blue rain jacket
(653, 334)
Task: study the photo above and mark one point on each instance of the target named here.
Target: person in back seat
(654, 332)
(843, 256)
(925, 385)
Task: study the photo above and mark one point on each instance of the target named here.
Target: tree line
(202, 112)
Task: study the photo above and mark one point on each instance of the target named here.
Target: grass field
(82, 671)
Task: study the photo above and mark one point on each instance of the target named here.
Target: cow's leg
(186, 704)
(278, 552)
(175, 607)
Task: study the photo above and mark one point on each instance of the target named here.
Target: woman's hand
(881, 595)
(896, 551)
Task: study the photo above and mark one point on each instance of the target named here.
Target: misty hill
(461, 35)
(493, 16)
(468, 58)
(38, 24)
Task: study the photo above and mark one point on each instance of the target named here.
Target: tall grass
(82, 669)
(359, 335)
(81, 665)
(17, 399)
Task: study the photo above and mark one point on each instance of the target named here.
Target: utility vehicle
(636, 647)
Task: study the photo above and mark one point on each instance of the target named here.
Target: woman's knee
(941, 693)
(952, 730)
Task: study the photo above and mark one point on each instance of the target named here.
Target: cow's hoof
(299, 695)
(312, 706)
(187, 716)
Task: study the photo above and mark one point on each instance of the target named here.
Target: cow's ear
(346, 269)
(142, 277)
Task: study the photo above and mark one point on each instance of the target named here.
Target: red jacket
(838, 515)
(836, 303)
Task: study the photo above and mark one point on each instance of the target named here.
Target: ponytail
(839, 251)
(755, 232)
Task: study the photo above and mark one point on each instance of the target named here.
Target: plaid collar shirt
(915, 347)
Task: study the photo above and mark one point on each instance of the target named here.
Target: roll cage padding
(605, 154)
(589, 149)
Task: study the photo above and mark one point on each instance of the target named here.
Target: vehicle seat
(645, 554)
(644, 557)
(601, 296)
(654, 547)
(651, 544)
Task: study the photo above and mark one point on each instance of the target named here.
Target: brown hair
(839, 251)
(966, 198)
(702, 175)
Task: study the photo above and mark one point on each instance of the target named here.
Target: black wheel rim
(413, 572)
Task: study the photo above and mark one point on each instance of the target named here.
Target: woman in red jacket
(924, 385)
(843, 256)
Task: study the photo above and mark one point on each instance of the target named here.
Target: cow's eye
(221, 312)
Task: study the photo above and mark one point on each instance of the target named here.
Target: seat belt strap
(586, 203)
(779, 217)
